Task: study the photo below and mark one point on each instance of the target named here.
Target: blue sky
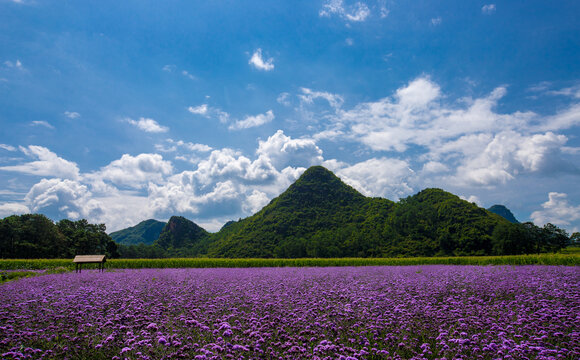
(121, 111)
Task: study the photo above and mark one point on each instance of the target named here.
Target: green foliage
(181, 237)
(35, 236)
(146, 232)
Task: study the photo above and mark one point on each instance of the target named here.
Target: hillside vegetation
(145, 232)
(318, 216)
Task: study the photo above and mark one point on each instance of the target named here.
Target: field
(570, 258)
(370, 312)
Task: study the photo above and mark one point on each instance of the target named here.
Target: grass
(571, 258)
(9, 275)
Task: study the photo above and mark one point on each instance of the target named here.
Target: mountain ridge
(321, 216)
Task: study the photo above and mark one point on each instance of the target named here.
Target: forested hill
(312, 211)
(320, 216)
(145, 232)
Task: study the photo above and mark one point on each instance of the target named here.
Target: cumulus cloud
(199, 110)
(557, 210)
(253, 121)
(147, 125)
(68, 197)
(383, 177)
(260, 63)
(436, 21)
(282, 151)
(508, 154)
(48, 164)
(356, 12)
(134, 171)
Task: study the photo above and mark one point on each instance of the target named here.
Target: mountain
(320, 216)
(316, 202)
(503, 212)
(145, 232)
(317, 216)
(181, 236)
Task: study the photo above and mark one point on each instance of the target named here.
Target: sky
(122, 111)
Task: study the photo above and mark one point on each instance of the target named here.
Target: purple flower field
(420, 312)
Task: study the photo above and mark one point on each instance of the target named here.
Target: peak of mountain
(318, 201)
(504, 212)
(318, 187)
(180, 232)
(145, 232)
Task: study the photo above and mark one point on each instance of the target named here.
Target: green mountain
(181, 236)
(298, 222)
(145, 232)
(503, 212)
(320, 216)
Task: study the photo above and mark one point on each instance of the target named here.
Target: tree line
(33, 236)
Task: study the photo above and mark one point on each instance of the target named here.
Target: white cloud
(564, 119)
(8, 209)
(283, 151)
(169, 68)
(434, 167)
(488, 9)
(7, 147)
(68, 197)
(308, 96)
(284, 99)
(199, 110)
(14, 64)
(573, 92)
(192, 146)
(255, 201)
(468, 141)
(48, 164)
(436, 21)
(148, 125)
(390, 178)
(253, 121)
(509, 154)
(188, 75)
(557, 210)
(134, 171)
(42, 123)
(206, 111)
(419, 93)
(357, 12)
(72, 114)
(260, 63)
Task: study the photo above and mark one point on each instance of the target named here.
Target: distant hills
(503, 212)
(145, 232)
(317, 216)
(321, 216)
